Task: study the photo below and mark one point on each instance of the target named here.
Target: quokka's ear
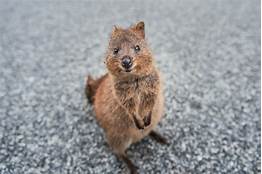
(139, 28)
(115, 29)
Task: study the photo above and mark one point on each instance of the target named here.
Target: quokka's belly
(112, 117)
(157, 114)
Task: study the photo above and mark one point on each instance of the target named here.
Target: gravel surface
(208, 52)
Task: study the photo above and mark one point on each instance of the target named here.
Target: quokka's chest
(135, 88)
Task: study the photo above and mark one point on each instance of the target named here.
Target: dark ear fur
(139, 28)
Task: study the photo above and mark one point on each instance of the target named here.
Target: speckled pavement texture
(208, 52)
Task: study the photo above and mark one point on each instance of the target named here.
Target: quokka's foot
(132, 168)
(138, 123)
(159, 138)
(141, 124)
(147, 119)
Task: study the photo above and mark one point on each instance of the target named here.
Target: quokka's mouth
(128, 70)
(124, 70)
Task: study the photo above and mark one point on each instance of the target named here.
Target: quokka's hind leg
(158, 137)
(132, 168)
(119, 145)
(91, 87)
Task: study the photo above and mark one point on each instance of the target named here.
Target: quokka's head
(128, 52)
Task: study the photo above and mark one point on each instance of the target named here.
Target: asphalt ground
(208, 52)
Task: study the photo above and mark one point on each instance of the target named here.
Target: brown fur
(128, 105)
(91, 87)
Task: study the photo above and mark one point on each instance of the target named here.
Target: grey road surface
(208, 52)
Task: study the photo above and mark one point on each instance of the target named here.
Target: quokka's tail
(91, 87)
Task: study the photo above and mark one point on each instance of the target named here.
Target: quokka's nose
(127, 62)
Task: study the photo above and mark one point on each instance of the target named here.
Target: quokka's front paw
(139, 124)
(147, 119)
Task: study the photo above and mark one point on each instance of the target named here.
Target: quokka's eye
(115, 51)
(137, 48)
